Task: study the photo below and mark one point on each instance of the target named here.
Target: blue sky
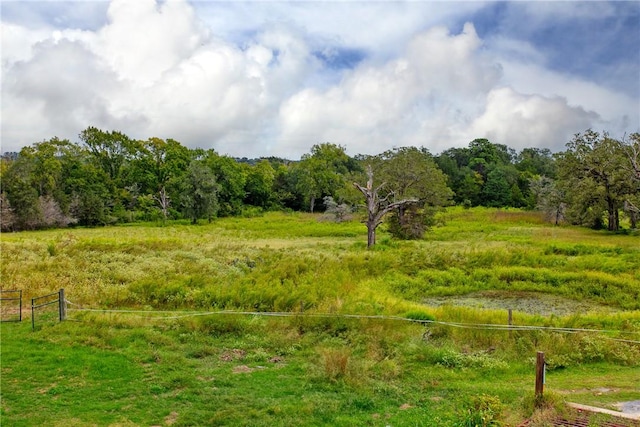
(266, 78)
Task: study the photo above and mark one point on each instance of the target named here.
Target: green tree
(497, 191)
(469, 189)
(157, 162)
(322, 173)
(198, 191)
(86, 185)
(592, 173)
(537, 161)
(411, 173)
(21, 195)
(231, 179)
(631, 166)
(259, 184)
(483, 174)
(110, 150)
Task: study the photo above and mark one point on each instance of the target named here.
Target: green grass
(158, 368)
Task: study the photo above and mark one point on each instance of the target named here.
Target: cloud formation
(294, 74)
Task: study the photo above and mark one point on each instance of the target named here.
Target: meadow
(147, 342)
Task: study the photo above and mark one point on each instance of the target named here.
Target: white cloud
(521, 121)
(245, 79)
(17, 42)
(144, 39)
(421, 98)
(618, 112)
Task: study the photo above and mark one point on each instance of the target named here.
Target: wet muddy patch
(524, 302)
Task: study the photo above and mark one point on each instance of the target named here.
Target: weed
(482, 411)
(335, 362)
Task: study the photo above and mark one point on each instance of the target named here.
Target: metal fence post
(62, 307)
(33, 314)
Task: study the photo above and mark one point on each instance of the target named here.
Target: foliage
(198, 192)
(411, 173)
(322, 172)
(106, 177)
(592, 175)
(231, 179)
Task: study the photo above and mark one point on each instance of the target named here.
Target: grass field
(170, 363)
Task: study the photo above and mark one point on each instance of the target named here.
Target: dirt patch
(232, 355)
(171, 418)
(242, 369)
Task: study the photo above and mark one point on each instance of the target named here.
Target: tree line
(106, 177)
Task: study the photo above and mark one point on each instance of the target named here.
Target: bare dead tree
(6, 214)
(632, 151)
(377, 207)
(164, 201)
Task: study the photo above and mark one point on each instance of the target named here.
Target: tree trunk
(376, 208)
(371, 235)
(612, 214)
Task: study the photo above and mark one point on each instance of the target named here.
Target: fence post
(20, 317)
(33, 314)
(539, 373)
(62, 307)
(510, 322)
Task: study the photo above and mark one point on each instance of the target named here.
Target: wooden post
(510, 322)
(61, 306)
(539, 373)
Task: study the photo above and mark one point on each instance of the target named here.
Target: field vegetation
(147, 343)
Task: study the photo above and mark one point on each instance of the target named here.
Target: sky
(273, 78)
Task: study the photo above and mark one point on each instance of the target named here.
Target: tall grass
(279, 261)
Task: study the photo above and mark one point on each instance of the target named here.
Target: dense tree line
(107, 177)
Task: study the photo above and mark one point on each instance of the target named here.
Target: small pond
(524, 302)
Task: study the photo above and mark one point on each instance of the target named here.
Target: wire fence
(48, 308)
(10, 306)
(163, 315)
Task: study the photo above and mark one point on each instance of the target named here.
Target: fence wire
(163, 315)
